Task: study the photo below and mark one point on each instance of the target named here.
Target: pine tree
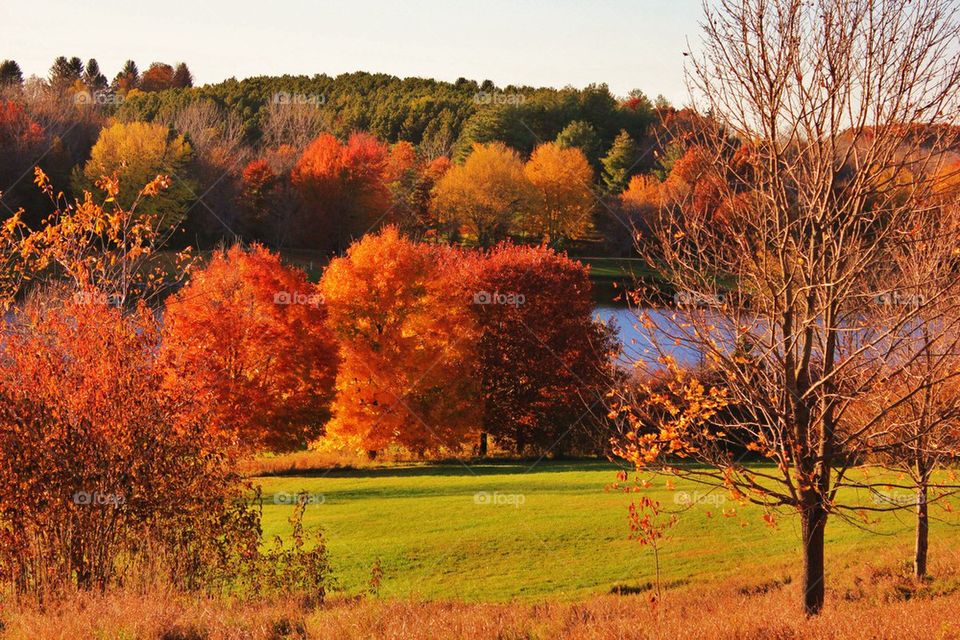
(93, 78)
(64, 73)
(10, 73)
(580, 134)
(182, 77)
(128, 78)
(620, 162)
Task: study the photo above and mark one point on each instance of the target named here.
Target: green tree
(10, 73)
(582, 135)
(128, 78)
(64, 73)
(620, 163)
(499, 123)
(93, 78)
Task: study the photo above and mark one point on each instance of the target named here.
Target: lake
(636, 340)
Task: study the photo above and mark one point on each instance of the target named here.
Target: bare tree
(921, 432)
(211, 129)
(830, 117)
(220, 153)
(285, 122)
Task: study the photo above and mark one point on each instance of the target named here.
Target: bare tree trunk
(482, 449)
(814, 521)
(922, 533)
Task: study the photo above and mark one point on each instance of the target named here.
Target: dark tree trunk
(482, 449)
(814, 522)
(922, 534)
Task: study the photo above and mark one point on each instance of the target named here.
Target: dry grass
(338, 456)
(319, 460)
(296, 462)
(866, 603)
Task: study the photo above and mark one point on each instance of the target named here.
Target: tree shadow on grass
(453, 468)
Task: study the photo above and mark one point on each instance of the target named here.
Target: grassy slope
(567, 540)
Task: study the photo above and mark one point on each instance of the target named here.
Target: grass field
(500, 532)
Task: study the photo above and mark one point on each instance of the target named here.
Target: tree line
(233, 148)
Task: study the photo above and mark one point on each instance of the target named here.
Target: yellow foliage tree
(486, 194)
(644, 193)
(135, 153)
(562, 194)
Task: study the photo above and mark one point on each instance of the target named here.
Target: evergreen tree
(64, 73)
(182, 77)
(10, 73)
(93, 78)
(580, 134)
(620, 163)
(128, 78)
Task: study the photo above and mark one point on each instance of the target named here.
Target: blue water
(639, 342)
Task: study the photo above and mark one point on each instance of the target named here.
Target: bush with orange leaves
(248, 337)
(97, 460)
(108, 473)
(99, 248)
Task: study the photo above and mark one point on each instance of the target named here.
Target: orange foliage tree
(406, 344)
(107, 471)
(21, 145)
(643, 194)
(343, 188)
(158, 77)
(248, 336)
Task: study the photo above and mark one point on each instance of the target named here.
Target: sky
(636, 44)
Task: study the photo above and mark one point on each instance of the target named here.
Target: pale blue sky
(627, 44)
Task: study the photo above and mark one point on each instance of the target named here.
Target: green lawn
(564, 537)
(619, 269)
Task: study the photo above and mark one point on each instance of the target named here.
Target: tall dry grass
(865, 603)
